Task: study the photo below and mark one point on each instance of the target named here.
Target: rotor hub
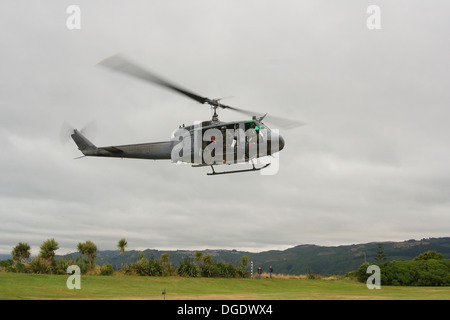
(215, 116)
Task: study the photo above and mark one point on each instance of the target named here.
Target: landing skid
(213, 173)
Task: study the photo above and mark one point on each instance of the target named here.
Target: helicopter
(206, 143)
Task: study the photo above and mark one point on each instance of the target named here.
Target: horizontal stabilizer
(112, 150)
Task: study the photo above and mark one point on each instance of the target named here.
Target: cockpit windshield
(255, 125)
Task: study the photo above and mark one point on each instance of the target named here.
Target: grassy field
(34, 286)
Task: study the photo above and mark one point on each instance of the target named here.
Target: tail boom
(154, 150)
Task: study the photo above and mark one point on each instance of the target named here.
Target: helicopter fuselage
(204, 143)
(215, 142)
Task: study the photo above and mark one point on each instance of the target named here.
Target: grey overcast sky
(372, 163)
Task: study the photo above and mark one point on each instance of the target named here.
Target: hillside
(301, 259)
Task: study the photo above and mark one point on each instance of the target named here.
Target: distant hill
(301, 259)
(5, 257)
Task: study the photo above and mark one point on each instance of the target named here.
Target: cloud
(371, 164)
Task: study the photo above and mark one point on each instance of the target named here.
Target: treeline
(428, 269)
(45, 263)
(204, 266)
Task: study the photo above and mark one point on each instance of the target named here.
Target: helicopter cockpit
(256, 130)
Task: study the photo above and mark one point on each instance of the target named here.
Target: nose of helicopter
(280, 143)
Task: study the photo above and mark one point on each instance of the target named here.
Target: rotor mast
(214, 106)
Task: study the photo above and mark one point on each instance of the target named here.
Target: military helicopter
(207, 143)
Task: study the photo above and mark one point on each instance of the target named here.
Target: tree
(208, 260)
(207, 268)
(380, 257)
(121, 245)
(167, 268)
(21, 252)
(244, 260)
(48, 249)
(164, 259)
(198, 256)
(429, 255)
(89, 249)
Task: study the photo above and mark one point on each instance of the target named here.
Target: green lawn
(35, 286)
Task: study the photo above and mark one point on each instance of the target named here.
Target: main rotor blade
(277, 121)
(283, 123)
(120, 64)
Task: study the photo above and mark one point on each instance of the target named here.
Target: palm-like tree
(198, 256)
(121, 245)
(21, 252)
(165, 258)
(48, 249)
(89, 249)
(244, 261)
(208, 260)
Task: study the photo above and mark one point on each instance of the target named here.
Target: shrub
(155, 268)
(188, 269)
(225, 270)
(168, 270)
(429, 255)
(398, 273)
(7, 265)
(361, 273)
(21, 267)
(207, 270)
(127, 269)
(242, 272)
(61, 265)
(145, 267)
(433, 273)
(106, 269)
(40, 265)
(83, 263)
(429, 272)
(141, 267)
(313, 276)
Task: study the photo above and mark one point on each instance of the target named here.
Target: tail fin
(84, 145)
